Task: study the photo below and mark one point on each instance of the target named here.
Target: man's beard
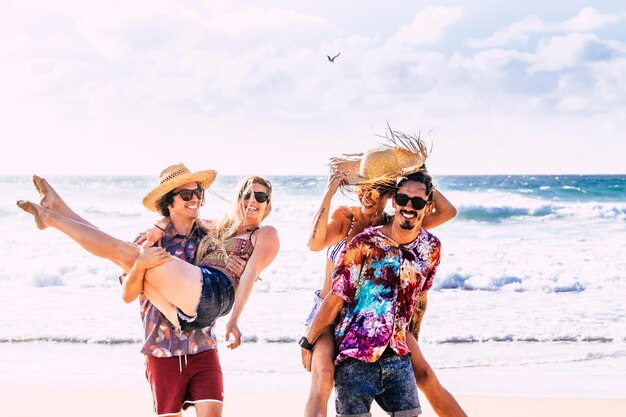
(407, 226)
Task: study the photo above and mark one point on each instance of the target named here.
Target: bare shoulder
(342, 214)
(267, 230)
(266, 234)
(266, 241)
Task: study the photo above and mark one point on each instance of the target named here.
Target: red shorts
(178, 382)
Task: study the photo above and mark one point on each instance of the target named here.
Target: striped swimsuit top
(332, 253)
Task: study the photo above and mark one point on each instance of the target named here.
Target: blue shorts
(216, 300)
(389, 381)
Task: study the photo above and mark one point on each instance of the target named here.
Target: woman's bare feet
(36, 210)
(49, 197)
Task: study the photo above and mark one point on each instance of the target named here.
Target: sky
(245, 87)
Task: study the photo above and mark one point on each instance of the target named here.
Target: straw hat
(384, 164)
(175, 176)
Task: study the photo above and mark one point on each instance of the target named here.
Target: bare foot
(49, 197)
(35, 210)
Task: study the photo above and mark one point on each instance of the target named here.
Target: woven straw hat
(175, 176)
(384, 164)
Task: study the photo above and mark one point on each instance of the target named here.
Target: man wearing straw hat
(376, 284)
(182, 367)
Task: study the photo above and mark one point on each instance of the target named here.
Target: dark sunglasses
(418, 203)
(187, 195)
(259, 196)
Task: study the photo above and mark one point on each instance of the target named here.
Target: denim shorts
(216, 300)
(389, 381)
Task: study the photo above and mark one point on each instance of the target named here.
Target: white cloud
(517, 32)
(572, 103)
(590, 19)
(427, 27)
(561, 52)
(587, 20)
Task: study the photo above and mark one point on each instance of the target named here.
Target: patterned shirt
(380, 281)
(161, 340)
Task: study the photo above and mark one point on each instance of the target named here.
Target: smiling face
(372, 202)
(407, 216)
(254, 210)
(188, 210)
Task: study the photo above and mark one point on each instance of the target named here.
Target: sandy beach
(92, 402)
(59, 379)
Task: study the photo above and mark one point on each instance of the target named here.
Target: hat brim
(205, 178)
(350, 168)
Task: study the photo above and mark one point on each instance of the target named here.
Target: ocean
(532, 279)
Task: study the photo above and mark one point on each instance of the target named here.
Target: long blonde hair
(220, 231)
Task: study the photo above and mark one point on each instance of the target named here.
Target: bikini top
(332, 253)
(236, 245)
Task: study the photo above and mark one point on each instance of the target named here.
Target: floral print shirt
(380, 281)
(161, 339)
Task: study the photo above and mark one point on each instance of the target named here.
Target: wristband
(159, 227)
(305, 344)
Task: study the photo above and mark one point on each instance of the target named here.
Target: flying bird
(333, 58)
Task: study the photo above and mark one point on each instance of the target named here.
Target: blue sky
(129, 87)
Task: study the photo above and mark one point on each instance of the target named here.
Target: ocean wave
(573, 188)
(72, 340)
(289, 339)
(526, 339)
(502, 213)
(47, 279)
(469, 282)
(92, 211)
(497, 214)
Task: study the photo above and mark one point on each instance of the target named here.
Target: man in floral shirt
(182, 367)
(375, 286)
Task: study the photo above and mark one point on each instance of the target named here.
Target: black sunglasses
(259, 196)
(418, 203)
(187, 195)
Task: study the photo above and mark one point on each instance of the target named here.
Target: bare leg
(322, 375)
(442, 402)
(90, 238)
(208, 409)
(177, 281)
(52, 200)
(161, 303)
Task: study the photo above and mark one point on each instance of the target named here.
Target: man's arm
(418, 314)
(149, 257)
(327, 313)
(444, 211)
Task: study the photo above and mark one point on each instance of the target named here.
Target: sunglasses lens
(418, 203)
(187, 195)
(401, 199)
(261, 197)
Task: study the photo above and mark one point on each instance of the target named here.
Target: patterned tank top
(332, 253)
(236, 245)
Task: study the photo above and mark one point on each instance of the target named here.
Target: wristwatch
(305, 344)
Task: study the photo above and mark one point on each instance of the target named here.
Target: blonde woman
(372, 176)
(199, 294)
